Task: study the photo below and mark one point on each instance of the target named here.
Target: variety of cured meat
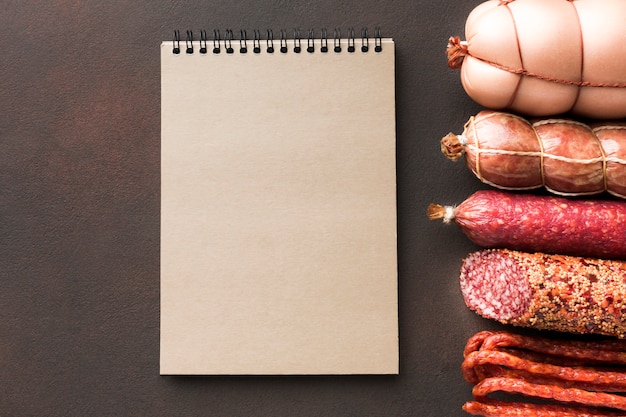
(570, 377)
(553, 263)
(565, 156)
(535, 223)
(546, 57)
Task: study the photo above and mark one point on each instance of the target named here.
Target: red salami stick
(551, 292)
(534, 223)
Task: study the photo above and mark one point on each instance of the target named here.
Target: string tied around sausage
(600, 168)
(457, 50)
(453, 146)
(438, 211)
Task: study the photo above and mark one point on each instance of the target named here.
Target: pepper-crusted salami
(533, 223)
(545, 57)
(565, 156)
(550, 292)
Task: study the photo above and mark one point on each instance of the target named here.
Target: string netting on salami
(545, 57)
(565, 156)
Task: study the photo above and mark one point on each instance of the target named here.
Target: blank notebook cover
(278, 208)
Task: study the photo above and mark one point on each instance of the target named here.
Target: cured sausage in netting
(565, 156)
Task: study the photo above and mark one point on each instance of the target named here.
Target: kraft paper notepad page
(278, 209)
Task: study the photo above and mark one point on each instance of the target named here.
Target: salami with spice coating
(565, 156)
(547, 292)
(534, 223)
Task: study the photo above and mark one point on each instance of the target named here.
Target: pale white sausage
(545, 57)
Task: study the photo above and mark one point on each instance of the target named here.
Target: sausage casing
(545, 57)
(566, 156)
(534, 223)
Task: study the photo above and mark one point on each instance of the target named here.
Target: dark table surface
(79, 213)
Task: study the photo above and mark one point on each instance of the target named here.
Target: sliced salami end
(546, 291)
(495, 286)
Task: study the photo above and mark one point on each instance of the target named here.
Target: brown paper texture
(278, 212)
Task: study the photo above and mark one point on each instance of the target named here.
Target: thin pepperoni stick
(518, 409)
(493, 371)
(477, 341)
(561, 375)
(609, 350)
(561, 361)
(550, 392)
(534, 366)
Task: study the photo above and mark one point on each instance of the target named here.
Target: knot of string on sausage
(456, 51)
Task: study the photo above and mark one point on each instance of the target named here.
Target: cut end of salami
(494, 286)
(546, 291)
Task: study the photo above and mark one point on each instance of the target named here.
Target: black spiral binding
(226, 43)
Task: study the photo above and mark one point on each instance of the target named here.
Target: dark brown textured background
(79, 212)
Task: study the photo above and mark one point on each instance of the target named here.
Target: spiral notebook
(278, 204)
